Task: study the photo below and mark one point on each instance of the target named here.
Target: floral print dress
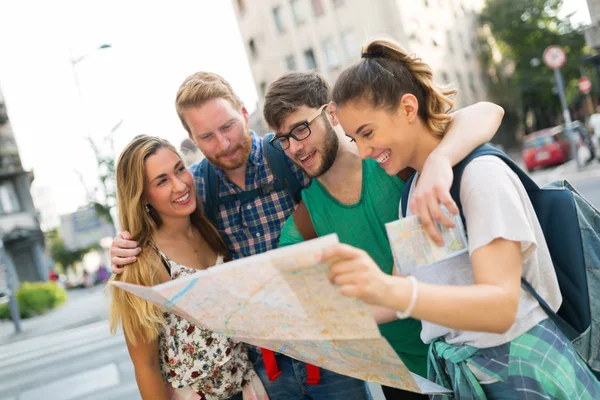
(200, 364)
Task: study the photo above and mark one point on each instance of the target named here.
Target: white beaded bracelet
(413, 300)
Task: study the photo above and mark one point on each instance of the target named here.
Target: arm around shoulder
(290, 234)
(471, 127)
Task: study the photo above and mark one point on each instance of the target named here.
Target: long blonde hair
(141, 320)
(387, 72)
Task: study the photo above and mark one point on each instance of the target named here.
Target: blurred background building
(327, 35)
(592, 36)
(19, 225)
(592, 33)
(190, 152)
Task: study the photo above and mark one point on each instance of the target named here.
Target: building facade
(592, 32)
(20, 232)
(327, 35)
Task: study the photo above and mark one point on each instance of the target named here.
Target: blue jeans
(291, 384)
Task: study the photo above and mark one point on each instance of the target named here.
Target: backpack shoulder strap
(211, 190)
(486, 150)
(303, 222)
(405, 193)
(281, 168)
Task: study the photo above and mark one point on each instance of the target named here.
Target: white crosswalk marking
(81, 363)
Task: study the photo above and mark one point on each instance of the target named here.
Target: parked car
(545, 148)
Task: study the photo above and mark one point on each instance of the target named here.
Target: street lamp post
(75, 61)
(555, 58)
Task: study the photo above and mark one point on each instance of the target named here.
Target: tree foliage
(523, 29)
(60, 254)
(106, 179)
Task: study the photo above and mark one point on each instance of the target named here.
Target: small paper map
(282, 300)
(413, 248)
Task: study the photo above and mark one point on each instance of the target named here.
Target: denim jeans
(291, 384)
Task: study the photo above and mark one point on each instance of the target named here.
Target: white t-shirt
(495, 205)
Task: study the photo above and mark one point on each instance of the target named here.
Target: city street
(70, 354)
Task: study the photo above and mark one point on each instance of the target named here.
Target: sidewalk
(83, 307)
(566, 171)
(569, 172)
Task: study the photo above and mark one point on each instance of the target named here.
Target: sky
(153, 48)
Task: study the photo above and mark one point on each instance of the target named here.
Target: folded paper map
(413, 248)
(282, 300)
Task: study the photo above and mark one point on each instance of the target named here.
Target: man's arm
(470, 127)
(290, 234)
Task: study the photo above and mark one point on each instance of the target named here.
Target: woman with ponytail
(488, 337)
(173, 359)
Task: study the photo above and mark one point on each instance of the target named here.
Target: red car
(546, 148)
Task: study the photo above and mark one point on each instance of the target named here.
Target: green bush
(35, 299)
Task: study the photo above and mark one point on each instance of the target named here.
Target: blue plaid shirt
(253, 227)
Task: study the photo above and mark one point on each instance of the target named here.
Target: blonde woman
(488, 337)
(174, 359)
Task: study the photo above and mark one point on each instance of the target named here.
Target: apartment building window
(450, 41)
(241, 4)
(309, 59)
(263, 88)
(350, 44)
(445, 78)
(414, 27)
(318, 8)
(298, 11)
(253, 49)
(472, 84)
(338, 3)
(290, 62)
(464, 44)
(278, 18)
(437, 38)
(9, 202)
(331, 55)
(460, 85)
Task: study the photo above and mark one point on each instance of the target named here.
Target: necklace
(194, 248)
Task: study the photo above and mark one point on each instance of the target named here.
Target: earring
(147, 208)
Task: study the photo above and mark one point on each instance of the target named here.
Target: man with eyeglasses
(355, 198)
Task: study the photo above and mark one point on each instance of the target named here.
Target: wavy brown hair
(291, 91)
(387, 72)
(141, 319)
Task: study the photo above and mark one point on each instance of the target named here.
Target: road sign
(84, 228)
(585, 85)
(555, 57)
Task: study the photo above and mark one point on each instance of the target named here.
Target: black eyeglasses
(299, 132)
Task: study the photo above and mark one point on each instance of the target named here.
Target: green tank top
(362, 225)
